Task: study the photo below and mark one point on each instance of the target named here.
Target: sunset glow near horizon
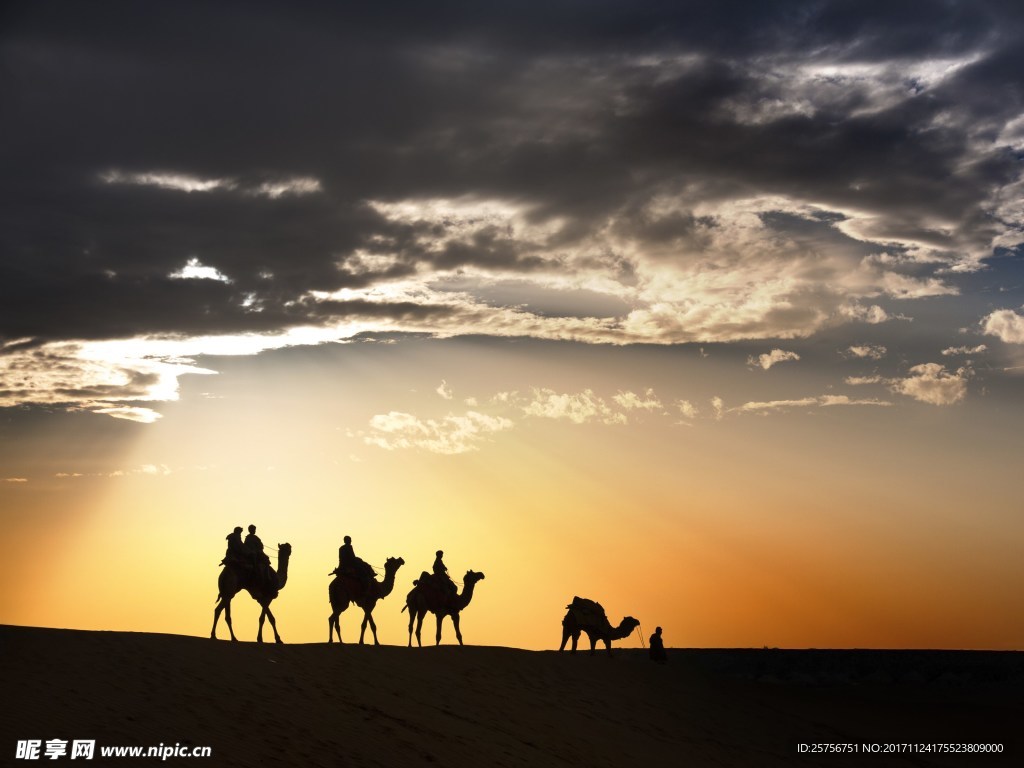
(714, 317)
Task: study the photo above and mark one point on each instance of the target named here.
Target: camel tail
(403, 608)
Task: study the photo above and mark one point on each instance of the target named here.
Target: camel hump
(587, 611)
(586, 605)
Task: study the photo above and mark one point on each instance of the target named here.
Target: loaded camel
(263, 586)
(347, 589)
(587, 616)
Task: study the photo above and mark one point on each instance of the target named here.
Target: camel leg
(216, 617)
(440, 619)
(273, 623)
(227, 619)
(419, 627)
(333, 625)
(368, 619)
(412, 618)
(263, 617)
(608, 645)
(593, 644)
(458, 632)
(565, 639)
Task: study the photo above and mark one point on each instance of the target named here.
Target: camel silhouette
(263, 590)
(587, 616)
(428, 595)
(347, 589)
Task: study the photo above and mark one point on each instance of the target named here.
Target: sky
(712, 312)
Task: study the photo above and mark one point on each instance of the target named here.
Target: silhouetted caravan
(264, 584)
(349, 588)
(432, 594)
(588, 616)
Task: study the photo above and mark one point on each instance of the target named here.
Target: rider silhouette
(255, 546)
(351, 565)
(441, 573)
(346, 557)
(237, 553)
(259, 558)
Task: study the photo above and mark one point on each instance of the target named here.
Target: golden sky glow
(817, 527)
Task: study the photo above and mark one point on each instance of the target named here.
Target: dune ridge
(350, 705)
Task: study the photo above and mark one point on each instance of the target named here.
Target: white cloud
(154, 469)
(717, 407)
(579, 408)
(766, 361)
(299, 185)
(177, 181)
(444, 390)
(872, 351)
(688, 409)
(775, 405)
(631, 401)
(15, 479)
(452, 434)
(195, 270)
(183, 182)
(130, 413)
(828, 400)
(872, 315)
(949, 351)
(822, 401)
(859, 380)
(1006, 324)
(149, 470)
(932, 383)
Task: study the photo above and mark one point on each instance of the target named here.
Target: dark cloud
(577, 111)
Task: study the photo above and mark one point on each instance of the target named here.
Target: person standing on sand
(657, 648)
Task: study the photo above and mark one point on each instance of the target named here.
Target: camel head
(629, 623)
(472, 577)
(393, 564)
(284, 550)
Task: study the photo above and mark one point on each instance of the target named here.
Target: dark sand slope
(319, 705)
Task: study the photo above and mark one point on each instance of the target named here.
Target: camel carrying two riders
(247, 567)
(247, 556)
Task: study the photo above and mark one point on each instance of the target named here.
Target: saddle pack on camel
(248, 569)
(440, 588)
(587, 612)
(356, 578)
(355, 586)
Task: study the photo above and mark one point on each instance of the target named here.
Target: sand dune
(319, 705)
